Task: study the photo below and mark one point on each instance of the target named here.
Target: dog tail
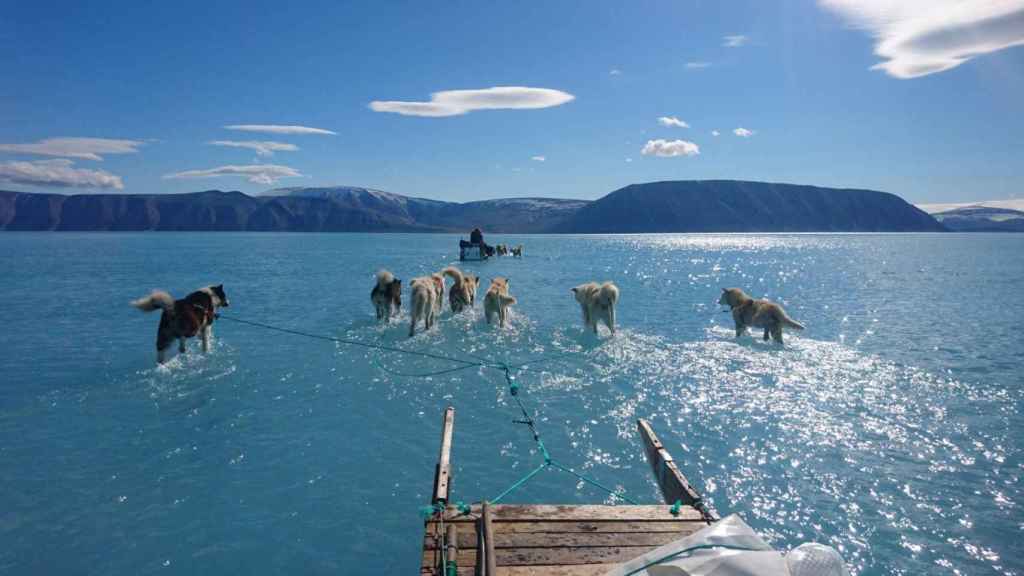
(787, 321)
(608, 295)
(158, 299)
(384, 278)
(454, 273)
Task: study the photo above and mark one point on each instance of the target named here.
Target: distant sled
(473, 251)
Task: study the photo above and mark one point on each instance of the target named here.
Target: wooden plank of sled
(573, 513)
(556, 527)
(674, 486)
(577, 570)
(443, 472)
(551, 556)
(490, 563)
(469, 540)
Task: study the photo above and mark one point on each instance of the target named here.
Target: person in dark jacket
(476, 236)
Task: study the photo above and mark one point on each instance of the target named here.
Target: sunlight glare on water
(888, 429)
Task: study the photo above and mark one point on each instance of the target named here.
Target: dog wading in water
(185, 318)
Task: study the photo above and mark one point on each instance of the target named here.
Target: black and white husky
(386, 295)
(185, 318)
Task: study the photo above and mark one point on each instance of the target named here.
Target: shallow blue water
(890, 428)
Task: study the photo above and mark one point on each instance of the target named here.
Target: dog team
(194, 315)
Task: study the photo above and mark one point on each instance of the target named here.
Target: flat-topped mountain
(738, 206)
(683, 206)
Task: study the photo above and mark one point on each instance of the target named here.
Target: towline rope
(506, 369)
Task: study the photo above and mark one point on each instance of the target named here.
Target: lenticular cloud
(920, 37)
(457, 102)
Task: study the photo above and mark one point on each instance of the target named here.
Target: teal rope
(519, 483)
(479, 362)
(593, 482)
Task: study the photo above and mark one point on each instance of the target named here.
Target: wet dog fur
(462, 294)
(766, 314)
(182, 319)
(386, 295)
(597, 302)
(497, 300)
(426, 299)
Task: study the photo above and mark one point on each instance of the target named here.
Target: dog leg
(777, 333)
(161, 356)
(181, 345)
(206, 339)
(611, 319)
(740, 329)
(766, 334)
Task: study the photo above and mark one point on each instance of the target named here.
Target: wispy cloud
(262, 147)
(715, 132)
(921, 37)
(255, 173)
(670, 148)
(58, 173)
(697, 65)
(615, 72)
(538, 158)
(278, 129)
(81, 148)
(734, 41)
(672, 121)
(457, 102)
(629, 160)
(743, 132)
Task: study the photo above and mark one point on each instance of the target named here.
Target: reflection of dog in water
(598, 303)
(757, 313)
(183, 318)
(386, 295)
(497, 300)
(463, 292)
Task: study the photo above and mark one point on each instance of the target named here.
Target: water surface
(890, 428)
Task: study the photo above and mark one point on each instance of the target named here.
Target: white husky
(598, 303)
(427, 296)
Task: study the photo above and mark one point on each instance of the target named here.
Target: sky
(470, 100)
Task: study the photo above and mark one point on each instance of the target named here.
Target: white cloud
(262, 148)
(57, 173)
(615, 72)
(629, 159)
(672, 121)
(734, 41)
(715, 132)
(743, 132)
(697, 65)
(255, 173)
(920, 37)
(82, 148)
(670, 148)
(456, 102)
(538, 158)
(278, 129)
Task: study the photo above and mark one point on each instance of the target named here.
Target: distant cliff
(688, 206)
(737, 206)
(982, 219)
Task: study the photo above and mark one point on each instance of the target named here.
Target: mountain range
(673, 206)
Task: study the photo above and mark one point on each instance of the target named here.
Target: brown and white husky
(462, 294)
(386, 295)
(757, 313)
(185, 318)
(497, 300)
(426, 299)
(598, 303)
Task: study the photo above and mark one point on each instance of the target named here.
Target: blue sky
(142, 89)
